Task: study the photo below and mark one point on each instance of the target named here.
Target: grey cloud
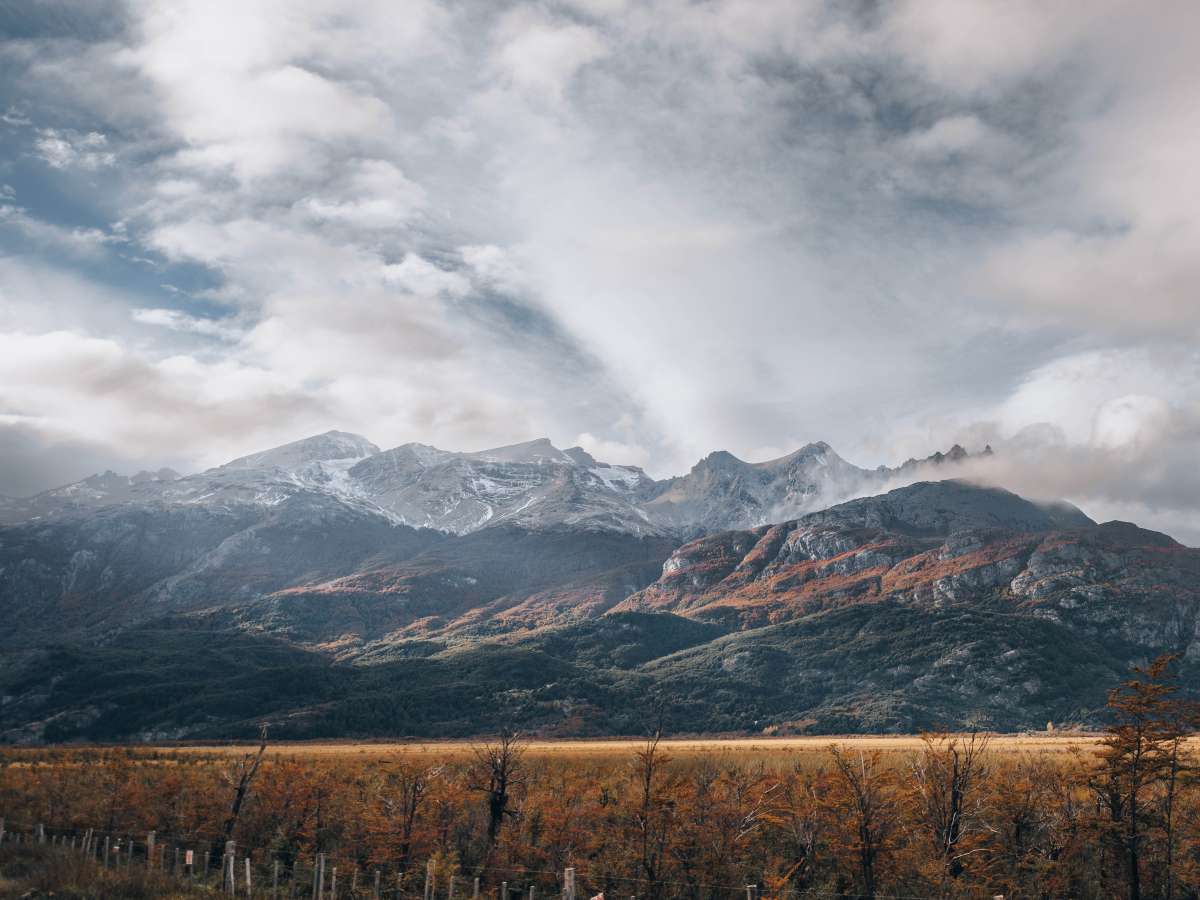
(34, 463)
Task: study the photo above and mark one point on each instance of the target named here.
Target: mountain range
(335, 589)
(532, 485)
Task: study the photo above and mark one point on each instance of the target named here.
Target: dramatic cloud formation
(654, 229)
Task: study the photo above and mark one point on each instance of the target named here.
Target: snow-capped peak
(332, 445)
(540, 450)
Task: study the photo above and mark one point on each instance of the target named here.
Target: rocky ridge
(531, 485)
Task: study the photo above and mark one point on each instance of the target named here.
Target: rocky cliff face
(938, 544)
(533, 485)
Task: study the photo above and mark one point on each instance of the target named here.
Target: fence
(259, 873)
(254, 872)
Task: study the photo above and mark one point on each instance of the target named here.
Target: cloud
(90, 390)
(375, 194)
(15, 118)
(540, 56)
(664, 227)
(418, 276)
(75, 241)
(605, 450)
(180, 321)
(67, 149)
(986, 45)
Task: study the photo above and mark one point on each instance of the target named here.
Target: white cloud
(418, 276)
(375, 194)
(948, 136)
(180, 321)
(82, 242)
(15, 118)
(612, 451)
(66, 149)
(973, 45)
(540, 56)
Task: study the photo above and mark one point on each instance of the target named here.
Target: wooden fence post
(375, 895)
(504, 890)
(107, 841)
(228, 880)
(429, 889)
(41, 833)
(150, 839)
(569, 884)
(475, 890)
(532, 892)
(248, 889)
(320, 876)
(752, 892)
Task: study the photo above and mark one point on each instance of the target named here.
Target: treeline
(954, 819)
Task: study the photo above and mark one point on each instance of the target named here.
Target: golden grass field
(679, 748)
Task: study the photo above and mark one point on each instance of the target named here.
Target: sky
(652, 228)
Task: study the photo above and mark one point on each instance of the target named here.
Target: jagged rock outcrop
(941, 543)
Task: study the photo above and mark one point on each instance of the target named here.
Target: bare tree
(946, 776)
(241, 775)
(655, 813)
(498, 769)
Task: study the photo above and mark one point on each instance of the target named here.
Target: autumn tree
(401, 795)
(796, 813)
(1142, 751)
(862, 810)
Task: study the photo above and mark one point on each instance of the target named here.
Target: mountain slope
(932, 542)
(532, 484)
(723, 492)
